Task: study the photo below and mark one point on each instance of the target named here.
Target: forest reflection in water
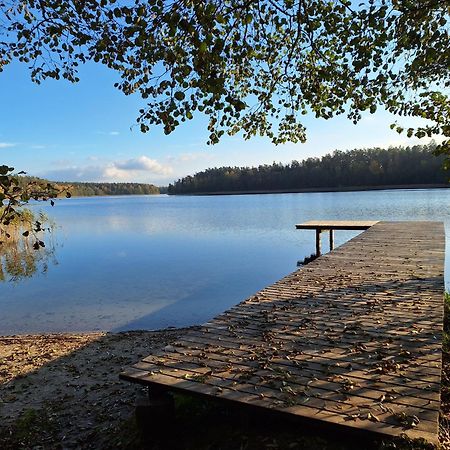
(19, 257)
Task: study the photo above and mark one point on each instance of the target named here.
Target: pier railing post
(318, 249)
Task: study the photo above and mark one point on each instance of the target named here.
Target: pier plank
(336, 225)
(353, 339)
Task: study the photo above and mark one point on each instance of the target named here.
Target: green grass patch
(32, 427)
(446, 336)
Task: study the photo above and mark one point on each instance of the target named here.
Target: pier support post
(155, 413)
(318, 249)
(331, 240)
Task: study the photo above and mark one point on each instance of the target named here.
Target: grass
(445, 380)
(32, 427)
(446, 335)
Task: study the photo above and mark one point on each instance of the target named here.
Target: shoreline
(325, 189)
(62, 390)
(40, 334)
(23, 354)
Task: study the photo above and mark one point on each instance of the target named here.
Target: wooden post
(154, 413)
(331, 240)
(318, 251)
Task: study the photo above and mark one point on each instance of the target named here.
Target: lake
(148, 262)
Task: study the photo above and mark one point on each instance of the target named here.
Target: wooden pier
(330, 226)
(350, 341)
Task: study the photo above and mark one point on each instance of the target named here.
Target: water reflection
(19, 259)
(156, 261)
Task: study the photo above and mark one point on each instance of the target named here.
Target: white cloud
(191, 157)
(141, 169)
(108, 133)
(141, 164)
(61, 163)
(368, 118)
(7, 144)
(404, 141)
(38, 147)
(185, 157)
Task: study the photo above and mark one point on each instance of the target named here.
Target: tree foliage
(371, 167)
(252, 66)
(14, 194)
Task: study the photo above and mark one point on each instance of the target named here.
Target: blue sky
(84, 132)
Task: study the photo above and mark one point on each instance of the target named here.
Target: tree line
(89, 189)
(416, 165)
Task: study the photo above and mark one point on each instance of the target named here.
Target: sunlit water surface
(147, 262)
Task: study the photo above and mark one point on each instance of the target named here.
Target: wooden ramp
(351, 340)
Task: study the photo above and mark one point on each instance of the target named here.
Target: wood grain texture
(336, 225)
(351, 340)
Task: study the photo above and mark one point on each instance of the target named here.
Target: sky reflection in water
(156, 261)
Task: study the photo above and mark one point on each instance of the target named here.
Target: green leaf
(179, 95)
(4, 170)
(326, 57)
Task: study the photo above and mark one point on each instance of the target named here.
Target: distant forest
(91, 189)
(355, 168)
(79, 189)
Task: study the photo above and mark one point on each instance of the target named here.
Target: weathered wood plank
(357, 333)
(401, 395)
(336, 225)
(322, 395)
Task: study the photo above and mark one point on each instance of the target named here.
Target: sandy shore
(63, 390)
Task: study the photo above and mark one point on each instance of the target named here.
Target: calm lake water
(147, 262)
